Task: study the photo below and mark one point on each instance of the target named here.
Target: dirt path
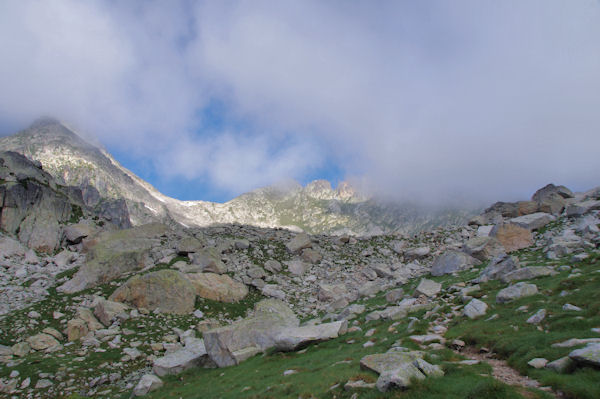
(503, 372)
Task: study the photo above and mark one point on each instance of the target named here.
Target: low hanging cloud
(427, 100)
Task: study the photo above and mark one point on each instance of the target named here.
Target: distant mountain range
(315, 208)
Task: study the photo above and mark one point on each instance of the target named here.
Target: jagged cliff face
(315, 208)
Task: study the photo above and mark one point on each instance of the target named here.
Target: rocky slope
(316, 208)
(162, 309)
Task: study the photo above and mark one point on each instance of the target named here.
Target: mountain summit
(315, 208)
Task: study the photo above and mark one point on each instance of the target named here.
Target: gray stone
(528, 273)
(209, 260)
(147, 384)
(582, 208)
(562, 365)
(181, 360)
(533, 221)
(416, 253)
(588, 355)
(428, 288)
(484, 247)
(331, 292)
(498, 267)
(452, 261)
(273, 291)
(394, 295)
(273, 266)
(297, 267)
(298, 243)
(538, 363)
(475, 309)
(538, 317)
(516, 291)
(108, 311)
(292, 338)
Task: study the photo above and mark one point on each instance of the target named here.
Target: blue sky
(433, 100)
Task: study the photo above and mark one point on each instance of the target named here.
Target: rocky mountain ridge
(315, 208)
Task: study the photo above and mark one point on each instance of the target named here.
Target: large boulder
(533, 221)
(512, 237)
(168, 290)
(292, 338)
(43, 342)
(582, 208)
(232, 344)
(516, 291)
(189, 245)
(218, 287)
(74, 233)
(114, 253)
(483, 247)
(549, 190)
(192, 355)
(452, 261)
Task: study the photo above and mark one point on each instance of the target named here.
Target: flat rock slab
(533, 221)
(181, 360)
(148, 383)
(576, 341)
(528, 273)
(588, 355)
(512, 237)
(289, 339)
(428, 288)
(516, 291)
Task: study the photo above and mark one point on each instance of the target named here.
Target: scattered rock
(475, 309)
(428, 288)
(147, 384)
(218, 287)
(516, 291)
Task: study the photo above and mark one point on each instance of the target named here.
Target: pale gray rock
(147, 384)
(370, 288)
(194, 354)
(331, 292)
(42, 342)
(516, 291)
(528, 273)
(297, 267)
(108, 311)
(483, 247)
(273, 266)
(533, 221)
(588, 355)
(538, 363)
(582, 208)
(209, 260)
(74, 233)
(538, 317)
(293, 338)
(416, 253)
(394, 295)
(498, 267)
(428, 288)
(475, 309)
(452, 261)
(273, 291)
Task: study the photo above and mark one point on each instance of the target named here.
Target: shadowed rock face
(32, 205)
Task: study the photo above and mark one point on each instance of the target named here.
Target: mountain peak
(44, 121)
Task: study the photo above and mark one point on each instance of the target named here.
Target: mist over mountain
(316, 208)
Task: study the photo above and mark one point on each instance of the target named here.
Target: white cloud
(433, 99)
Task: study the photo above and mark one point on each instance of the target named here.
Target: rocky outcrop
(114, 253)
(166, 290)
(293, 338)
